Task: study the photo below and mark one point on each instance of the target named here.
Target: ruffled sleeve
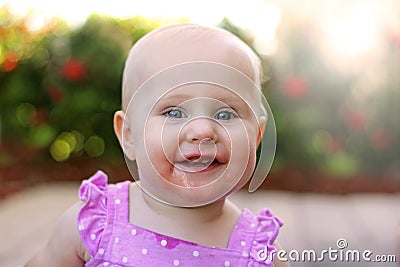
(263, 250)
(92, 217)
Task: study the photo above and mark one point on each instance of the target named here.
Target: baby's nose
(200, 129)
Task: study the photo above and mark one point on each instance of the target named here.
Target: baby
(191, 121)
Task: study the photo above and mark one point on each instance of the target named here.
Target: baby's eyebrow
(179, 98)
(172, 100)
(231, 101)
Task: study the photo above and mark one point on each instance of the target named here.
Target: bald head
(182, 43)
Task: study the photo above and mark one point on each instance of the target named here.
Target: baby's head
(181, 43)
(191, 114)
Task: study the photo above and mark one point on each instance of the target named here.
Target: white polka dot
(242, 243)
(91, 204)
(196, 253)
(93, 236)
(106, 264)
(269, 234)
(116, 240)
(101, 251)
(254, 242)
(227, 264)
(124, 259)
(144, 251)
(119, 186)
(266, 222)
(245, 254)
(176, 262)
(81, 227)
(164, 242)
(252, 225)
(133, 232)
(117, 201)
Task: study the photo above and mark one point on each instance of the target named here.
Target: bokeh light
(95, 146)
(66, 144)
(60, 150)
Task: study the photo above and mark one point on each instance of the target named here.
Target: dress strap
(119, 200)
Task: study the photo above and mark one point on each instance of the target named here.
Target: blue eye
(225, 115)
(175, 114)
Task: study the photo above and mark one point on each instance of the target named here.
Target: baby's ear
(123, 132)
(262, 121)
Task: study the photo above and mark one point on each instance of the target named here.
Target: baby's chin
(197, 190)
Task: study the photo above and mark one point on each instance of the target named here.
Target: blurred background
(332, 79)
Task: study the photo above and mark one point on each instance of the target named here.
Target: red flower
(73, 70)
(356, 120)
(10, 61)
(380, 139)
(56, 94)
(39, 117)
(295, 86)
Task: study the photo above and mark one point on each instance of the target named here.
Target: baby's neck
(202, 214)
(213, 223)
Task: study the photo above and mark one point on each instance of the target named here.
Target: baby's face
(199, 133)
(196, 142)
(194, 128)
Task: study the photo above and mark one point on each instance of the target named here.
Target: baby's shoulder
(69, 223)
(65, 247)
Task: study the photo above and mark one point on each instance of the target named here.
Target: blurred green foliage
(60, 88)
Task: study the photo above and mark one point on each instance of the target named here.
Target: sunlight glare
(260, 17)
(353, 34)
(356, 34)
(35, 21)
(262, 20)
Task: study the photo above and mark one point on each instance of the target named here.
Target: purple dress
(113, 241)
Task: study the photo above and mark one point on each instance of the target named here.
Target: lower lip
(189, 177)
(193, 169)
